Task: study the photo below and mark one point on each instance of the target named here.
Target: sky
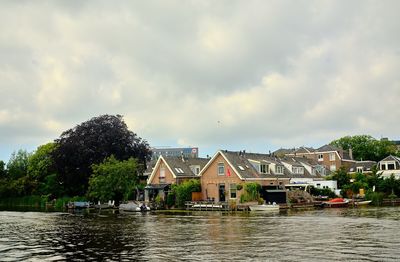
(253, 75)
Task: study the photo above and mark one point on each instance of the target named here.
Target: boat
(264, 207)
(336, 202)
(362, 203)
(133, 207)
(78, 204)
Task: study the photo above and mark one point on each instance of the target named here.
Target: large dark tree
(90, 143)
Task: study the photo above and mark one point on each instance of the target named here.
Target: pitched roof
(304, 150)
(178, 164)
(241, 162)
(391, 158)
(283, 151)
(366, 165)
(327, 148)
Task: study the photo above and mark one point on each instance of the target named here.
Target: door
(221, 192)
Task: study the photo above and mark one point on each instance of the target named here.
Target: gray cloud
(253, 75)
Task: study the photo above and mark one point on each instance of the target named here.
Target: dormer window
(360, 169)
(195, 169)
(279, 170)
(298, 170)
(264, 169)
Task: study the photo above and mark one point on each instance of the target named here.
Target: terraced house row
(221, 174)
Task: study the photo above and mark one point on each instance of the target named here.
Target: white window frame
(195, 169)
(332, 156)
(232, 189)
(221, 167)
(280, 169)
(264, 170)
(360, 169)
(320, 157)
(161, 178)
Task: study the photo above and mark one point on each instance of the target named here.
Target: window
(162, 175)
(241, 168)
(195, 169)
(232, 189)
(264, 169)
(333, 167)
(320, 157)
(383, 167)
(279, 169)
(318, 185)
(179, 170)
(332, 156)
(359, 169)
(298, 170)
(390, 166)
(221, 169)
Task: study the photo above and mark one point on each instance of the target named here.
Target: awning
(157, 186)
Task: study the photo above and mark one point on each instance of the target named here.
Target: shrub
(375, 197)
(252, 192)
(183, 192)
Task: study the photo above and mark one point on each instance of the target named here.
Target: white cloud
(233, 75)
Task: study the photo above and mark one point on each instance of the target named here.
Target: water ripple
(368, 234)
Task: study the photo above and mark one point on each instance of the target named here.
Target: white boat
(264, 207)
(362, 203)
(133, 207)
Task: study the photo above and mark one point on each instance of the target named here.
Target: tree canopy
(366, 147)
(113, 179)
(90, 143)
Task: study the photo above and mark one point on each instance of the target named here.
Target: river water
(365, 234)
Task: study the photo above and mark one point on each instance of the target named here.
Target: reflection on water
(366, 234)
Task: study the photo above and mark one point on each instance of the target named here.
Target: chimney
(351, 153)
(183, 159)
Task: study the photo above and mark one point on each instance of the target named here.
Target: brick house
(226, 170)
(171, 170)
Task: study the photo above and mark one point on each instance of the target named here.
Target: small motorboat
(265, 207)
(362, 203)
(336, 202)
(78, 204)
(133, 207)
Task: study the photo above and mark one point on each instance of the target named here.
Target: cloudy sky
(254, 75)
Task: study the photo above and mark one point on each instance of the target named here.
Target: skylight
(241, 168)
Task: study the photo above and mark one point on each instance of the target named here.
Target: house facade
(226, 170)
(331, 157)
(390, 165)
(171, 170)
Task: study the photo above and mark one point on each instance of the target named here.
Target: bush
(375, 197)
(322, 192)
(252, 192)
(183, 192)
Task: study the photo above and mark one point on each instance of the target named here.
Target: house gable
(213, 165)
(162, 173)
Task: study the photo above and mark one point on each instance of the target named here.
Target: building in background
(187, 152)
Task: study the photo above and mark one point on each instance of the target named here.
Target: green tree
(366, 147)
(17, 166)
(183, 192)
(90, 143)
(341, 177)
(41, 170)
(3, 171)
(113, 179)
